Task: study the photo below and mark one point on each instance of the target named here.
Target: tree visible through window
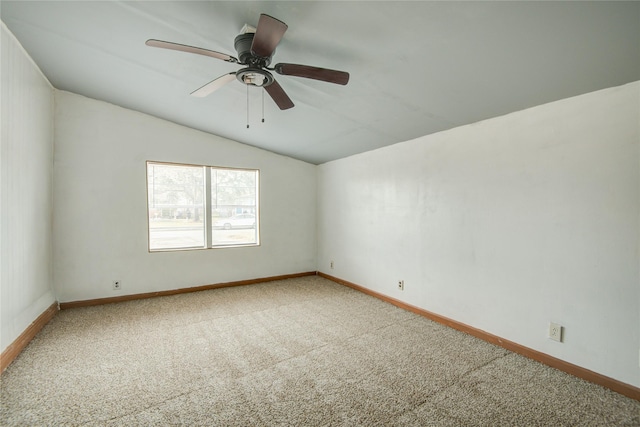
(201, 206)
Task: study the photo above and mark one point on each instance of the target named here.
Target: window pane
(234, 207)
(176, 206)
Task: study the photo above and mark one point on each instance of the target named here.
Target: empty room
(313, 213)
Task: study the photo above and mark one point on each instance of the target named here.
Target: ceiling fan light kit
(255, 48)
(254, 77)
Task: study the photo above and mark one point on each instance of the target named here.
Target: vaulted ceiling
(415, 67)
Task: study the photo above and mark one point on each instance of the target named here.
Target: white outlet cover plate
(555, 332)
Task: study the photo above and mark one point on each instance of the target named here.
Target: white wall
(25, 201)
(505, 225)
(100, 213)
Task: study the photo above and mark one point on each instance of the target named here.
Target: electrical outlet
(555, 332)
(331, 264)
(401, 285)
(117, 285)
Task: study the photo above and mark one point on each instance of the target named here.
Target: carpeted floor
(300, 352)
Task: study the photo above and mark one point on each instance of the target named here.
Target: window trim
(208, 210)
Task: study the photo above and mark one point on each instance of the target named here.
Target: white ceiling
(416, 67)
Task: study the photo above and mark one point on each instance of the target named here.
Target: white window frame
(208, 210)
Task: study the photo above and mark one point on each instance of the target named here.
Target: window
(234, 207)
(196, 207)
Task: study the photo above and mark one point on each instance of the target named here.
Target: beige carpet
(300, 352)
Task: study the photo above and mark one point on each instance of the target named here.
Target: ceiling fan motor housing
(242, 45)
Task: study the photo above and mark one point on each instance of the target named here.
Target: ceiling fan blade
(190, 49)
(278, 94)
(268, 34)
(315, 73)
(214, 85)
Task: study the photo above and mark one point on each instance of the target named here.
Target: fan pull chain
(247, 106)
(263, 106)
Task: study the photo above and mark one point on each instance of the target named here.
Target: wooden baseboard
(110, 300)
(575, 370)
(14, 349)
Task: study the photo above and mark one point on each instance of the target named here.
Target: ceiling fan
(255, 49)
